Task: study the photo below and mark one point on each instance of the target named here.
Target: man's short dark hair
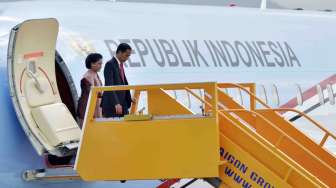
(92, 58)
(123, 47)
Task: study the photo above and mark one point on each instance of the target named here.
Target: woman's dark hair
(92, 58)
(123, 47)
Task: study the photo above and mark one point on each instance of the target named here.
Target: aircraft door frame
(33, 85)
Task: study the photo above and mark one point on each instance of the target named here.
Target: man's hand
(134, 100)
(118, 109)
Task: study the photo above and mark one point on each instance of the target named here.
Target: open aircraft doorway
(38, 88)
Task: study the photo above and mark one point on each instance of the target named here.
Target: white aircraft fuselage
(284, 49)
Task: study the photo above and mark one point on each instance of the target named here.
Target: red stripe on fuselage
(168, 183)
(311, 92)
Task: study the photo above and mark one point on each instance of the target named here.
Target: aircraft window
(275, 95)
(320, 94)
(264, 94)
(299, 97)
(331, 94)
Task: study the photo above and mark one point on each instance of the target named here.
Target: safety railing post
(92, 105)
(252, 98)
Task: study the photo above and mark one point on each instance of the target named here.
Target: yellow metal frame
(259, 156)
(254, 99)
(282, 141)
(327, 133)
(147, 147)
(251, 91)
(255, 152)
(181, 147)
(312, 156)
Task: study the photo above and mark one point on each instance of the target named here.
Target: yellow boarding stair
(277, 130)
(172, 141)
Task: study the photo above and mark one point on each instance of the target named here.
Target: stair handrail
(282, 134)
(198, 97)
(290, 169)
(291, 165)
(327, 133)
(246, 90)
(187, 89)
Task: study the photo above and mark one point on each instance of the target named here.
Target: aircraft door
(31, 70)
